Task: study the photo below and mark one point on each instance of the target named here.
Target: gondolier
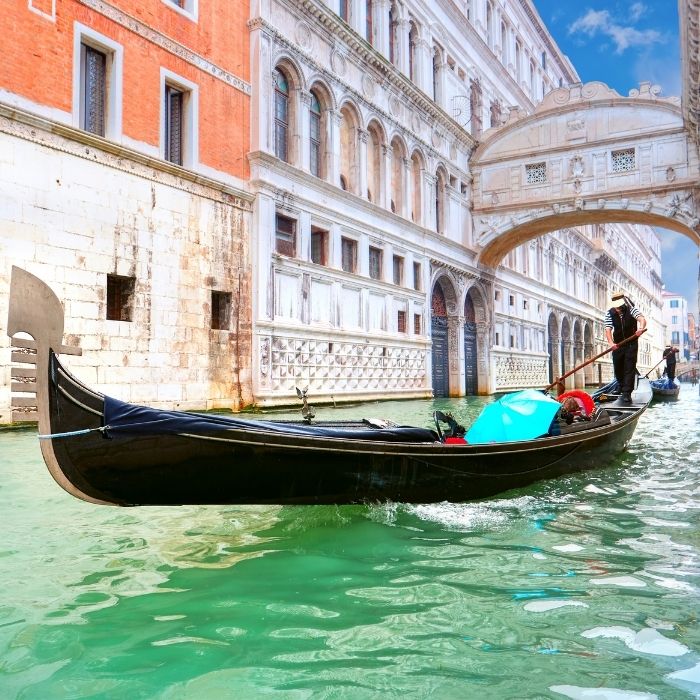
(670, 357)
(622, 320)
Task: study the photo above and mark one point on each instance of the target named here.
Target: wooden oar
(559, 382)
(654, 367)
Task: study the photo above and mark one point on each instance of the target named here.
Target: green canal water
(582, 587)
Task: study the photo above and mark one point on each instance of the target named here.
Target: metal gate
(441, 376)
(470, 374)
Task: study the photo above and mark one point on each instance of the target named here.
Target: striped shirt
(636, 313)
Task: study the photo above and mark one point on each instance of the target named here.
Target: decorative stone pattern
(521, 372)
(337, 368)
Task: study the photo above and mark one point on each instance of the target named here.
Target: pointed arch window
(315, 135)
(369, 27)
(281, 116)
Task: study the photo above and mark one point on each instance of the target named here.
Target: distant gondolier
(623, 320)
(670, 357)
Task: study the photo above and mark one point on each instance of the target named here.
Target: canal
(581, 587)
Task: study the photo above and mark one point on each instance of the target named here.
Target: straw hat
(618, 299)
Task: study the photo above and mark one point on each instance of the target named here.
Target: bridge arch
(585, 156)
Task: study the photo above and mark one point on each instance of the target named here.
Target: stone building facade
(367, 281)
(116, 190)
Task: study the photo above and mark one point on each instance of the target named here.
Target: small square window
(220, 310)
(416, 276)
(375, 263)
(398, 270)
(349, 254)
(536, 173)
(120, 298)
(417, 324)
(623, 160)
(319, 246)
(285, 236)
(401, 321)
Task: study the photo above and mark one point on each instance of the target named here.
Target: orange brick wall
(37, 64)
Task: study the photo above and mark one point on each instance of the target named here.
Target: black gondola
(104, 451)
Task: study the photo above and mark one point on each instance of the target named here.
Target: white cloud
(599, 22)
(637, 10)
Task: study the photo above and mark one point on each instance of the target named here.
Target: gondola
(665, 389)
(105, 451)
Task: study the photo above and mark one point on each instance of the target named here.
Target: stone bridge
(586, 155)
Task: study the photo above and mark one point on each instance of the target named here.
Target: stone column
(361, 163)
(429, 201)
(385, 166)
(406, 188)
(381, 26)
(264, 224)
(334, 119)
(262, 123)
(402, 46)
(455, 344)
(304, 140)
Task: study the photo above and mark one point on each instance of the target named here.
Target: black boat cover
(122, 418)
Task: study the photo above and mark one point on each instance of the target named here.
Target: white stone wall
(72, 213)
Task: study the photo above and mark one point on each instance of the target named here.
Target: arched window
(343, 10)
(315, 136)
(281, 116)
(533, 93)
(412, 49)
(489, 25)
(393, 25)
(437, 61)
(369, 30)
(348, 150)
(518, 62)
(504, 44)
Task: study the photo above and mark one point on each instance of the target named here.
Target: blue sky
(623, 43)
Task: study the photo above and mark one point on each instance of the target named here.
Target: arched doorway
(471, 375)
(441, 367)
(565, 352)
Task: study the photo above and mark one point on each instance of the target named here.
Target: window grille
(401, 321)
(285, 236)
(398, 270)
(417, 324)
(319, 247)
(375, 263)
(315, 135)
(173, 124)
(220, 310)
(416, 276)
(349, 254)
(94, 86)
(120, 296)
(281, 115)
(623, 160)
(535, 173)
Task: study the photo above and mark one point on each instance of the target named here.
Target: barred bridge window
(623, 160)
(535, 173)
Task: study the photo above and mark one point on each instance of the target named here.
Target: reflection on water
(581, 587)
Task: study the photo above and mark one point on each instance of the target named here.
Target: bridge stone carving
(586, 155)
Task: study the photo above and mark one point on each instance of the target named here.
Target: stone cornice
(135, 25)
(82, 144)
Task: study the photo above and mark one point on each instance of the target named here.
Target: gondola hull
(244, 466)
